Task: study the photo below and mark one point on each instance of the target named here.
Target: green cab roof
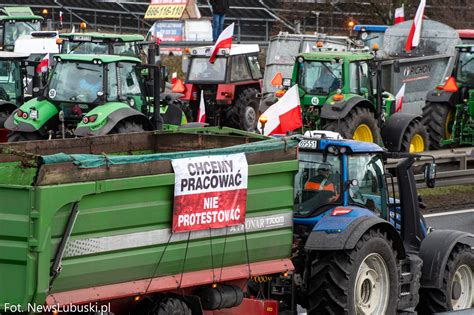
(19, 13)
(105, 36)
(344, 55)
(103, 58)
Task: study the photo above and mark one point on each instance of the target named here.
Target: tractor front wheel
(247, 105)
(416, 138)
(363, 280)
(359, 124)
(457, 292)
(439, 118)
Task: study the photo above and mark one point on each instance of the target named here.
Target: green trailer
(94, 222)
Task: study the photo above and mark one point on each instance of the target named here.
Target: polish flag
(285, 115)
(224, 41)
(399, 98)
(399, 15)
(202, 110)
(415, 31)
(174, 77)
(61, 18)
(43, 65)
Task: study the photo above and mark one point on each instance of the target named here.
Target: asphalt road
(462, 220)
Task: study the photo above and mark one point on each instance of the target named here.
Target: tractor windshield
(76, 82)
(368, 188)
(10, 81)
(320, 77)
(317, 183)
(202, 70)
(465, 73)
(79, 48)
(16, 29)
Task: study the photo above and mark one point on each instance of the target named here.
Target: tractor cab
(230, 86)
(369, 35)
(16, 22)
(100, 44)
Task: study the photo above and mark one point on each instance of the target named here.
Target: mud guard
(348, 238)
(112, 120)
(340, 110)
(442, 96)
(435, 250)
(46, 111)
(394, 129)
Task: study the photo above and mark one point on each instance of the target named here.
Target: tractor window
(239, 71)
(112, 91)
(10, 87)
(318, 77)
(129, 85)
(16, 29)
(79, 48)
(201, 70)
(255, 67)
(370, 191)
(465, 67)
(126, 49)
(360, 81)
(317, 183)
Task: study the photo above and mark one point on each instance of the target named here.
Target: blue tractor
(361, 245)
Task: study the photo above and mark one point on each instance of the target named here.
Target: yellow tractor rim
(448, 124)
(417, 144)
(363, 133)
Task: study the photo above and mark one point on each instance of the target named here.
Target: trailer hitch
(57, 266)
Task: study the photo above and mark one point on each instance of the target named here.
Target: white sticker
(52, 93)
(315, 101)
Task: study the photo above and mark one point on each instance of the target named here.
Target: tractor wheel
(363, 280)
(128, 127)
(416, 138)
(457, 291)
(359, 124)
(3, 117)
(24, 136)
(439, 118)
(247, 104)
(172, 306)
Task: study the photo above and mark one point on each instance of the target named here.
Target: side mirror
(396, 66)
(430, 174)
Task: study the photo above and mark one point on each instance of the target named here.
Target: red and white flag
(61, 18)
(43, 65)
(415, 31)
(174, 77)
(400, 15)
(285, 115)
(223, 42)
(202, 110)
(399, 98)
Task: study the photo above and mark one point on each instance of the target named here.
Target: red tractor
(231, 86)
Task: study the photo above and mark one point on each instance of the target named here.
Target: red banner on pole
(210, 192)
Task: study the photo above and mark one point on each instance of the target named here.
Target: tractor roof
(102, 58)
(82, 37)
(238, 49)
(18, 13)
(353, 145)
(13, 55)
(344, 55)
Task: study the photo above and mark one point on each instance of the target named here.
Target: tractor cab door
(367, 186)
(239, 70)
(360, 82)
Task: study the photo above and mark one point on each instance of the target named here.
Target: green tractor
(93, 95)
(341, 91)
(449, 110)
(100, 43)
(15, 22)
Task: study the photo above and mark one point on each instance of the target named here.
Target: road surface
(461, 220)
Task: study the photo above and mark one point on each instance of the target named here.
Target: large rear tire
(457, 292)
(246, 113)
(438, 117)
(416, 138)
(128, 127)
(359, 124)
(24, 136)
(359, 281)
(173, 306)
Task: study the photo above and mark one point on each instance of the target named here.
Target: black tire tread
(436, 300)
(434, 118)
(173, 306)
(415, 127)
(23, 136)
(246, 97)
(328, 290)
(347, 125)
(129, 127)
